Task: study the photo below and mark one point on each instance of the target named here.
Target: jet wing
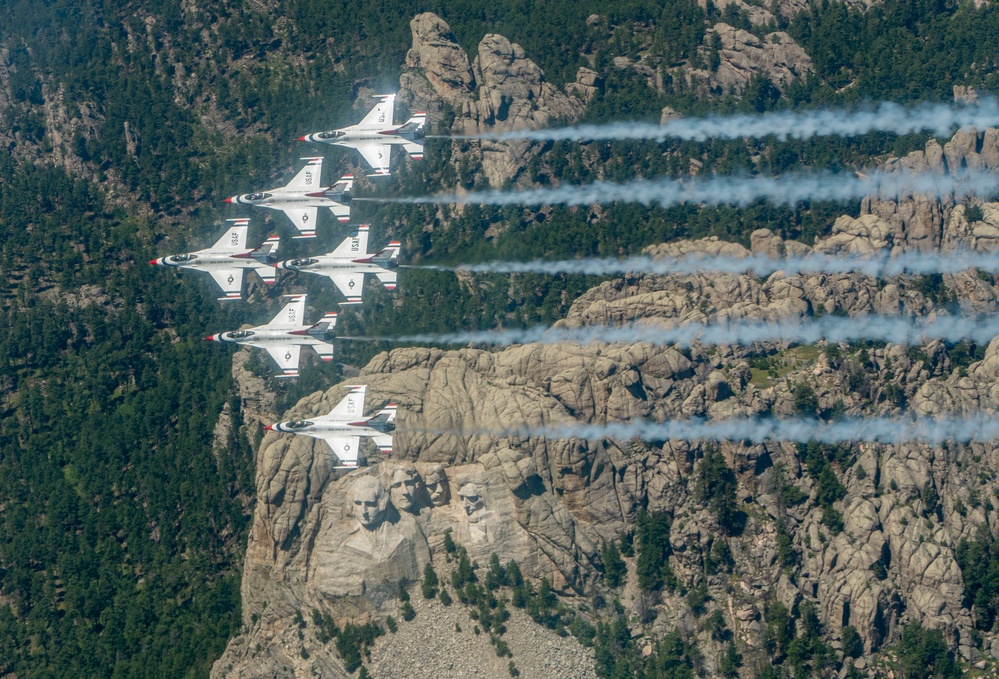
(378, 156)
(350, 408)
(381, 116)
(350, 284)
(230, 280)
(291, 316)
(287, 358)
(355, 245)
(233, 240)
(308, 177)
(304, 219)
(345, 448)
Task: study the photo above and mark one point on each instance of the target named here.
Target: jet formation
(346, 266)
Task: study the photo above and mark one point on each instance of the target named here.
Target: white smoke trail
(740, 191)
(877, 265)
(940, 119)
(934, 431)
(831, 329)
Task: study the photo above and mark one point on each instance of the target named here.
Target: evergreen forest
(123, 512)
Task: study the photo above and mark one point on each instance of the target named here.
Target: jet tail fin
(267, 250)
(384, 416)
(414, 149)
(324, 328)
(388, 254)
(384, 443)
(268, 274)
(414, 128)
(340, 191)
(388, 278)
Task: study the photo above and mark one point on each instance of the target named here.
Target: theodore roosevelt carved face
(437, 486)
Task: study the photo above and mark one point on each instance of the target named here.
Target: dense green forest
(121, 525)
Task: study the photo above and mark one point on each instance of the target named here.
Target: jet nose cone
(154, 262)
(227, 200)
(269, 427)
(305, 138)
(210, 338)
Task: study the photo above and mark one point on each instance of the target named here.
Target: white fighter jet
(344, 426)
(285, 335)
(303, 196)
(228, 259)
(347, 265)
(376, 134)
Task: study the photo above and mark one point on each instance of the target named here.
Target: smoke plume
(833, 329)
(940, 119)
(877, 265)
(721, 190)
(933, 431)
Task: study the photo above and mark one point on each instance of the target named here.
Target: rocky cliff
(500, 90)
(549, 504)
(733, 56)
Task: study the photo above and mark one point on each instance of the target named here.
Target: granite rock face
(549, 502)
(502, 90)
(742, 55)
(472, 457)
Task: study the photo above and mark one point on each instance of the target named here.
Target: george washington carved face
(369, 501)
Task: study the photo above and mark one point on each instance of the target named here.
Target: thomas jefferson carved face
(369, 501)
(471, 498)
(405, 485)
(437, 486)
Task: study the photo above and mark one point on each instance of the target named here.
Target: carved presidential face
(471, 499)
(404, 487)
(437, 486)
(369, 501)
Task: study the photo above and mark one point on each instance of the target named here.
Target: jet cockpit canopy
(258, 196)
(332, 134)
(241, 334)
(182, 258)
(302, 263)
(298, 424)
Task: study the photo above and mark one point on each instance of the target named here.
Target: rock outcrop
(502, 90)
(548, 503)
(739, 55)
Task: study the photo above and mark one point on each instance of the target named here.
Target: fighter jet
(303, 196)
(285, 335)
(343, 427)
(228, 259)
(347, 265)
(375, 135)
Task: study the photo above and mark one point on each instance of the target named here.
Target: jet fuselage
(325, 265)
(279, 200)
(263, 335)
(208, 260)
(321, 429)
(347, 137)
